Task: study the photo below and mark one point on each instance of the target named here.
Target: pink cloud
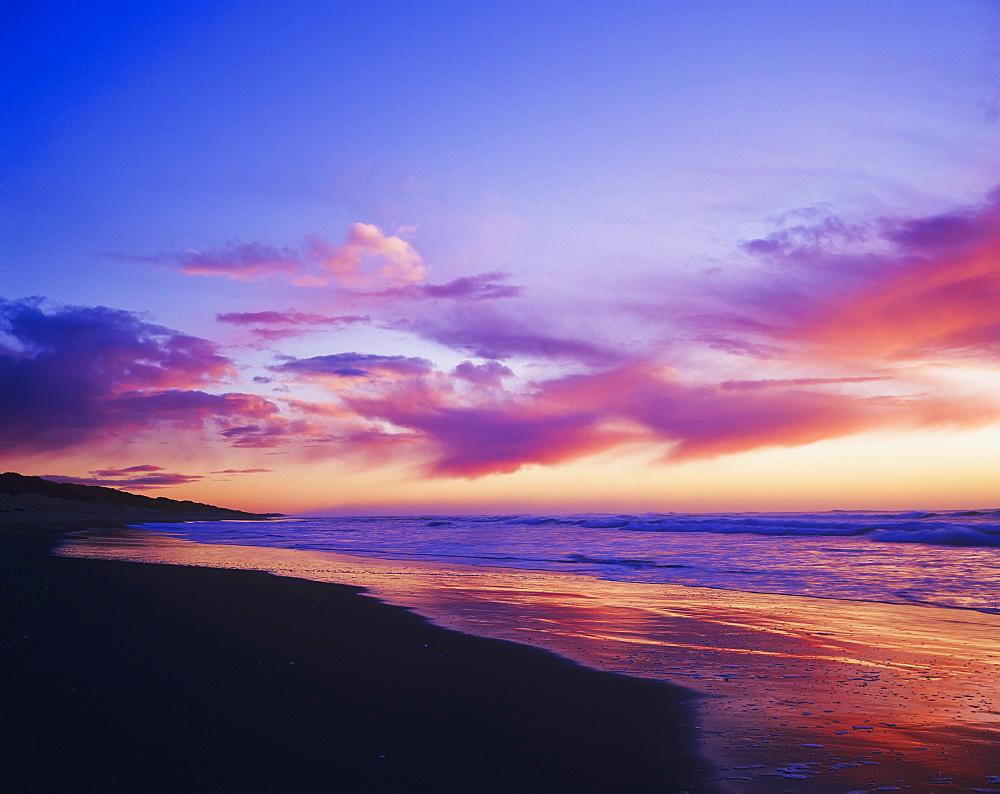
(368, 258)
(475, 442)
(191, 408)
(472, 441)
(913, 289)
(703, 421)
(487, 432)
(146, 477)
(369, 263)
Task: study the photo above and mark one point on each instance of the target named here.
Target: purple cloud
(71, 375)
(357, 365)
(122, 478)
(953, 231)
(125, 472)
(289, 317)
(501, 338)
(565, 418)
(291, 323)
(472, 442)
(490, 373)
(245, 420)
(485, 286)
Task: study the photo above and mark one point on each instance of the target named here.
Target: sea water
(949, 559)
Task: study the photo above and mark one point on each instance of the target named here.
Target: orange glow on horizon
(927, 470)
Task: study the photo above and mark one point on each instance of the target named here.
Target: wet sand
(128, 677)
(798, 694)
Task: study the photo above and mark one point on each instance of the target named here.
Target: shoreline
(842, 695)
(128, 676)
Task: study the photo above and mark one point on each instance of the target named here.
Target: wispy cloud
(367, 263)
(143, 477)
(485, 286)
(275, 326)
(367, 259)
(133, 478)
(780, 383)
(357, 365)
(904, 289)
(240, 262)
(288, 317)
(494, 335)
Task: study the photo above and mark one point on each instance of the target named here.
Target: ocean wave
(942, 536)
(634, 564)
(940, 558)
(966, 528)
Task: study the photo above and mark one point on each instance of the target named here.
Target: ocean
(944, 559)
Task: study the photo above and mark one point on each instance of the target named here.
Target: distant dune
(34, 499)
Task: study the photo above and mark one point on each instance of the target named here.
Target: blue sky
(609, 160)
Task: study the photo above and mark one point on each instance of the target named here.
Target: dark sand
(126, 677)
(802, 695)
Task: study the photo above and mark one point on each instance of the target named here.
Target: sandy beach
(125, 677)
(795, 694)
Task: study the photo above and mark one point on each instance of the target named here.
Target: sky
(393, 257)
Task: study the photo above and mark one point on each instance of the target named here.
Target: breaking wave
(966, 528)
(931, 558)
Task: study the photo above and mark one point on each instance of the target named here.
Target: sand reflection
(799, 694)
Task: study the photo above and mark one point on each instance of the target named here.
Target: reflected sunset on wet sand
(833, 693)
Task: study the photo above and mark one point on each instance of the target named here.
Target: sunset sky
(505, 256)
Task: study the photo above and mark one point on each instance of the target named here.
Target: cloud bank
(70, 375)
(832, 330)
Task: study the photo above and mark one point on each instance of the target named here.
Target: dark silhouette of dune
(24, 498)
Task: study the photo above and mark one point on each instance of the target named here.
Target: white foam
(926, 558)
